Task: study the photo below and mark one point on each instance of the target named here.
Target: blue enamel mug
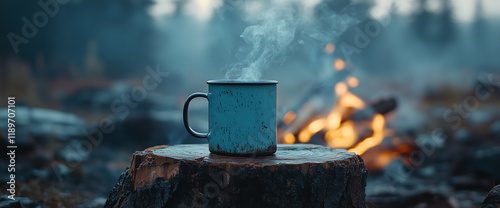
(242, 117)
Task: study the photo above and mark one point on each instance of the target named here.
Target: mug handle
(185, 115)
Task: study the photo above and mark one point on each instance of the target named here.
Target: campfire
(350, 123)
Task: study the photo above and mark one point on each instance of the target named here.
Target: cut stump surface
(298, 175)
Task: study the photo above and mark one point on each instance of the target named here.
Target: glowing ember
(339, 64)
(329, 48)
(384, 159)
(289, 117)
(350, 100)
(288, 138)
(380, 159)
(352, 81)
(404, 148)
(305, 136)
(340, 88)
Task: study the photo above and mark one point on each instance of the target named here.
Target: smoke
(277, 27)
(266, 41)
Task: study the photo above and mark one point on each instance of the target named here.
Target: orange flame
(305, 136)
(313, 128)
(333, 120)
(350, 100)
(339, 64)
(377, 137)
(288, 138)
(289, 117)
(337, 135)
(316, 126)
(343, 137)
(352, 81)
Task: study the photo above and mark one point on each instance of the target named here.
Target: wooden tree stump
(492, 200)
(298, 175)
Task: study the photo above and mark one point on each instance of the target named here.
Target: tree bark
(298, 175)
(492, 200)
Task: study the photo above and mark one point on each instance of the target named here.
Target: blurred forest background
(92, 52)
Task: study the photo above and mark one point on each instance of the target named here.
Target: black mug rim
(239, 82)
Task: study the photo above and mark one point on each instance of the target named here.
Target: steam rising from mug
(274, 28)
(268, 39)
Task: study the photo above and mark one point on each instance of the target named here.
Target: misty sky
(464, 9)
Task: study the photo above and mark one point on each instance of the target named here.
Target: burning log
(318, 91)
(345, 126)
(382, 107)
(300, 175)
